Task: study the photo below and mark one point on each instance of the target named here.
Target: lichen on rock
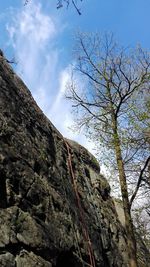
(43, 216)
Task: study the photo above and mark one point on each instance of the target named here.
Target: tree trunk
(125, 198)
(131, 242)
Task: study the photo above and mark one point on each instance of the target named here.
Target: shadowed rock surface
(42, 221)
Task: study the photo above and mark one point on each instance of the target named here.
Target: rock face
(54, 212)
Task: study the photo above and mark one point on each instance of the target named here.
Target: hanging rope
(85, 231)
(73, 227)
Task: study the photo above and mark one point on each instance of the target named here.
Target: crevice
(3, 191)
(105, 194)
(68, 259)
(24, 197)
(87, 173)
(105, 257)
(6, 138)
(15, 250)
(31, 129)
(37, 167)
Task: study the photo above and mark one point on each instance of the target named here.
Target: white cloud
(64, 77)
(61, 115)
(60, 112)
(33, 34)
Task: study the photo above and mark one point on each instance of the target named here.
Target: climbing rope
(73, 226)
(85, 231)
(92, 200)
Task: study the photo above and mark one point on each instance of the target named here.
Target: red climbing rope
(85, 231)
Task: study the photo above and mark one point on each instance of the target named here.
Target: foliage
(142, 224)
(111, 108)
(103, 63)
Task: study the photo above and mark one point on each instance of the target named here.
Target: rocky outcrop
(53, 212)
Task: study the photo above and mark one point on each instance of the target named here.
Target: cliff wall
(55, 206)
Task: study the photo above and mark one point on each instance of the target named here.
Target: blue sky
(41, 39)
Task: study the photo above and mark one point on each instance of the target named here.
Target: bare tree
(116, 83)
(61, 3)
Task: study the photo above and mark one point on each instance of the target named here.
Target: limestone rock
(46, 216)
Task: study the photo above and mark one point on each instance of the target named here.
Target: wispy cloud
(33, 35)
(32, 32)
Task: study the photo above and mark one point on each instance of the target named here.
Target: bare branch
(60, 4)
(139, 181)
